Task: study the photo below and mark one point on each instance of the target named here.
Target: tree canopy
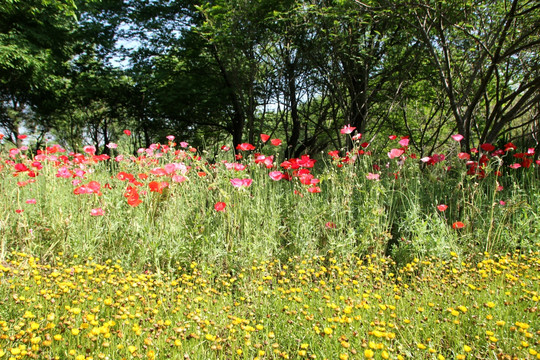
(219, 71)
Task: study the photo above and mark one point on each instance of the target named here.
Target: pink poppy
(91, 150)
(404, 142)
(394, 153)
(347, 129)
(276, 175)
(457, 137)
(241, 182)
(371, 176)
(97, 212)
(245, 147)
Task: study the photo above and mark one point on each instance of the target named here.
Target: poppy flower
(241, 182)
(97, 212)
(225, 148)
(265, 137)
(442, 207)
(330, 225)
(457, 137)
(487, 147)
(170, 137)
(158, 187)
(179, 178)
(276, 175)
(392, 137)
(220, 206)
(347, 129)
(394, 153)
(245, 147)
(314, 189)
(31, 201)
(127, 132)
(357, 137)
(458, 225)
(21, 137)
(334, 153)
(404, 142)
(275, 142)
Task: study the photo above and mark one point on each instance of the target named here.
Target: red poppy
(487, 147)
(330, 225)
(275, 142)
(442, 207)
(158, 187)
(127, 132)
(220, 206)
(458, 225)
(265, 137)
(334, 153)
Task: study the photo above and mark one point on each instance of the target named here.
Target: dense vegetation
(172, 203)
(300, 179)
(225, 71)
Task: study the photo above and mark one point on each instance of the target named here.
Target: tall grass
(396, 215)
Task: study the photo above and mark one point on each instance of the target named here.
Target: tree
(485, 54)
(35, 45)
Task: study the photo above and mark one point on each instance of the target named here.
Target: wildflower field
(179, 253)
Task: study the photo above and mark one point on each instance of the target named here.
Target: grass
(395, 215)
(161, 256)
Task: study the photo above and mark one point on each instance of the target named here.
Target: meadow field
(186, 253)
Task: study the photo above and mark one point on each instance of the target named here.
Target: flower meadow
(176, 252)
(303, 308)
